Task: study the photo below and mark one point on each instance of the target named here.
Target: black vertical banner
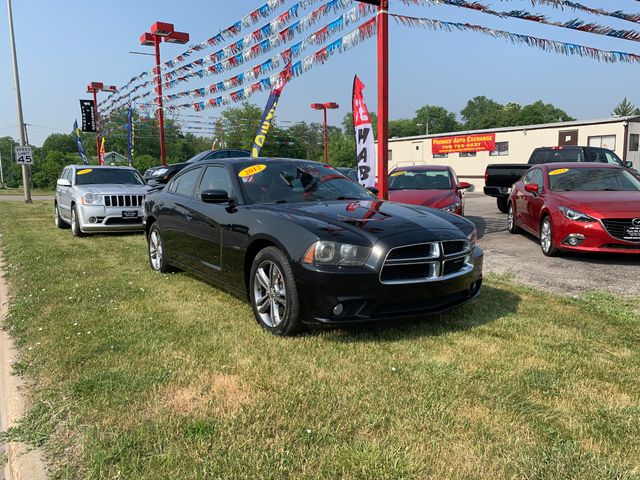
(87, 108)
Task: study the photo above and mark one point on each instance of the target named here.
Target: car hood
(427, 198)
(373, 220)
(602, 204)
(114, 188)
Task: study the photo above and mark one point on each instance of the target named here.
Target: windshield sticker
(559, 171)
(252, 170)
(86, 170)
(397, 174)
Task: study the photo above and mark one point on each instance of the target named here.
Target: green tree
(540, 112)
(482, 112)
(48, 171)
(341, 149)
(625, 108)
(439, 120)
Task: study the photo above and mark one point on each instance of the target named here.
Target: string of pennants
(574, 24)
(536, 42)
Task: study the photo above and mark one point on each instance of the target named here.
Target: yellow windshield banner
(86, 170)
(559, 171)
(396, 174)
(252, 170)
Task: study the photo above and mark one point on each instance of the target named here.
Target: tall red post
(383, 98)
(326, 146)
(163, 154)
(96, 120)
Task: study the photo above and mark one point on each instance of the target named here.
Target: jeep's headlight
(576, 215)
(160, 172)
(333, 253)
(451, 208)
(92, 199)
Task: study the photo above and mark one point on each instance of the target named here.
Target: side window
(612, 158)
(528, 177)
(63, 174)
(185, 184)
(216, 178)
(538, 179)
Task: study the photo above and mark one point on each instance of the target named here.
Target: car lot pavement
(520, 256)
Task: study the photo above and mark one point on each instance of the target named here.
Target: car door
(519, 199)
(64, 195)
(535, 201)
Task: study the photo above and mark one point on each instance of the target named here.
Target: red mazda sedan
(428, 185)
(578, 206)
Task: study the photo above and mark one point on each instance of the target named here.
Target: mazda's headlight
(576, 215)
(451, 208)
(160, 172)
(472, 237)
(333, 253)
(92, 199)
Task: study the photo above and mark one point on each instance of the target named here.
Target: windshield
(593, 180)
(420, 180)
(293, 181)
(199, 156)
(90, 176)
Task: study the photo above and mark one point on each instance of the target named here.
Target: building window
(467, 154)
(389, 155)
(634, 142)
(502, 150)
(603, 141)
(440, 155)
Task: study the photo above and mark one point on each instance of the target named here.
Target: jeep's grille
(427, 262)
(617, 227)
(123, 200)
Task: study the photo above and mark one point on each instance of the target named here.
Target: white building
(515, 144)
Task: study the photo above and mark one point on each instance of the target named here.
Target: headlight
(451, 208)
(576, 215)
(91, 199)
(473, 237)
(160, 172)
(333, 253)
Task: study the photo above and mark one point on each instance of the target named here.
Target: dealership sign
(484, 142)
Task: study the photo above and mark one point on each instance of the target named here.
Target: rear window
(557, 155)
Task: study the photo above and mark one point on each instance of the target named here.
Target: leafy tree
(48, 171)
(540, 112)
(625, 108)
(482, 112)
(341, 149)
(404, 128)
(143, 162)
(439, 119)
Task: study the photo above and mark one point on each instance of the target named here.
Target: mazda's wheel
(273, 293)
(546, 238)
(503, 204)
(75, 223)
(57, 219)
(511, 220)
(157, 253)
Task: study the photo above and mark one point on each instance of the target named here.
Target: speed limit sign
(24, 155)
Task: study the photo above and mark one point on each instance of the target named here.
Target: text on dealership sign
(464, 143)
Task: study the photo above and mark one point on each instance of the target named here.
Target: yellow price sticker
(559, 171)
(85, 171)
(252, 170)
(397, 174)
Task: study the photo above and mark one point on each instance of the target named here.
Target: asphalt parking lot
(520, 256)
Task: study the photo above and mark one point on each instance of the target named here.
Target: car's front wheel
(273, 293)
(511, 220)
(546, 238)
(57, 219)
(157, 253)
(76, 231)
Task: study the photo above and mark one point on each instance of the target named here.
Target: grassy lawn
(144, 376)
(20, 191)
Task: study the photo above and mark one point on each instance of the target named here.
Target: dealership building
(469, 153)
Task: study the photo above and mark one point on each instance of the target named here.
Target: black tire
(548, 247)
(286, 304)
(503, 204)
(157, 257)
(511, 221)
(57, 219)
(75, 223)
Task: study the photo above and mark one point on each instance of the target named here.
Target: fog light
(92, 219)
(574, 239)
(338, 310)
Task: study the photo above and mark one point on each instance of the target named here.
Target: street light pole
(26, 173)
(325, 107)
(163, 153)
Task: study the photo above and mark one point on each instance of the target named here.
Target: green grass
(20, 191)
(138, 375)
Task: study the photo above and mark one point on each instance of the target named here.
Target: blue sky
(64, 44)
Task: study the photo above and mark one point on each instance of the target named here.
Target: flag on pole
(365, 147)
(77, 132)
(270, 111)
(130, 136)
(101, 154)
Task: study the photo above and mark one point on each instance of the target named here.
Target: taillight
(486, 175)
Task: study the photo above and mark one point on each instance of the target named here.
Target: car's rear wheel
(273, 293)
(57, 219)
(546, 237)
(511, 220)
(503, 204)
(157, 253)
(75, 223)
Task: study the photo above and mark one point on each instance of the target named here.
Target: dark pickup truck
(499, 178)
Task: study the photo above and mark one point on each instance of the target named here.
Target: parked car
(578, 206)
(348, 172)
(162, 174)
(428, 185)
(99, 199)
(499, 178)
(306, 245)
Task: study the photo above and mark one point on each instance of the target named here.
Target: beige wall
(417, 151)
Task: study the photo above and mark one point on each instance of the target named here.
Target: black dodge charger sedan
(306, 245)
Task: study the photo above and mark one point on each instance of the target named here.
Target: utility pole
(1, 172)
(26, 173)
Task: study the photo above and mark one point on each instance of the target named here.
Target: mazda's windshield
(290, 181)
(420, 180)
(91, 176)
(593, 180)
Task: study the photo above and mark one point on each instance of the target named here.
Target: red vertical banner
(365, 144)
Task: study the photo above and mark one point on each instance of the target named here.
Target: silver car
(99, 199)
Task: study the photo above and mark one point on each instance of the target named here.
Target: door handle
(188, 216)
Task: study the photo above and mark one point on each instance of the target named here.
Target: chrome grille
(123, 200)
(426, 262)
(617, 226)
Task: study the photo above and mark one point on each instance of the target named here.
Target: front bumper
(366, 300)
(596, 237)
(96, 218)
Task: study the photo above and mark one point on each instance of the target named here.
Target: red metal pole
(383, 97)
(163, 154)
(96, 119)
(326, 153)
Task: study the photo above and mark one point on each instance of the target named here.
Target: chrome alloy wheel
(270, 294)
(545, 235)
(155, 250)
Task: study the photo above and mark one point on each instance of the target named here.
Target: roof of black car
(256, 160)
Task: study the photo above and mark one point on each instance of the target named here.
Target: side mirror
(215, 196)
(373, 190)
(531, 188)
(464, 185)
(628, 164)
(63, 182)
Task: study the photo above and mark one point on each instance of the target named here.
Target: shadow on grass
(492, 304)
